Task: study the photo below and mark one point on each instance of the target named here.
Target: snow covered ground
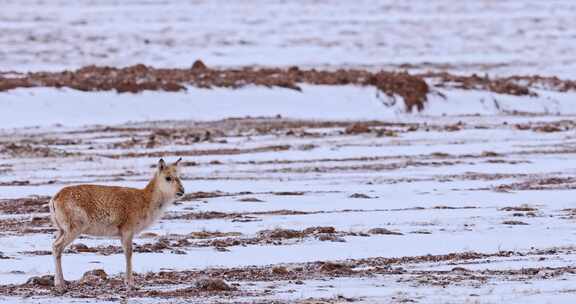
(67, 107)
(497, 187)
(330, 194)
(498, 37)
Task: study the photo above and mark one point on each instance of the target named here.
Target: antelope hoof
(59, 285)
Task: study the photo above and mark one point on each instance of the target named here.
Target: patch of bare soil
(240, 216)
(523, 208)
(540, 184)
(367, 167)
(140, 77)
(227, 281)
(222, 240)
(432, 156)
(36, 224)
(98, 285)
(27, 205)
(360, 195)
(189, 133)
(383, 231)
(170, 136)
(539, 272)
(461, 276)
(27, 150)
(209, 284)
(186, 133)
(94, 276)
(502, 161)
(289, 193)
(338, 299)
(331, 267)
(202, 195)
(521, 211)
(45, 280)
(358, 128)
(512, 85)
(26, 183)
(498, 85)
(511, 222)
(184, 153)
(245, 126)
(547, 127)
(569, 213)
(479, 176)
(234, 216)
(250, 200)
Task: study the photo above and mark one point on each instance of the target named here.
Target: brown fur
(111, 211)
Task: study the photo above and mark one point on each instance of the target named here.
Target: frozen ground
(498, 37)
(476, 208)
(329, 194)
(72, 108)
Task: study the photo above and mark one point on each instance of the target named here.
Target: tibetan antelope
(111, 211)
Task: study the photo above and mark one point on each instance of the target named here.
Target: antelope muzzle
(180, 192)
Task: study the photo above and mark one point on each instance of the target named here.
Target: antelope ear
(176, 163)
(161, 164)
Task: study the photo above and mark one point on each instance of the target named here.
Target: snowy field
(426, 208)
(320, 194)
(498, 37)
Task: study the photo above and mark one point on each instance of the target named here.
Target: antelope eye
(168, 178)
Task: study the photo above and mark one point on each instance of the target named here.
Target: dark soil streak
(212, 281)
(139, 78)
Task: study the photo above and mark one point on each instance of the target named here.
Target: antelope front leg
(127, 246)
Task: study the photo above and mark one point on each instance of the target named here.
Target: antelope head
(168, 180)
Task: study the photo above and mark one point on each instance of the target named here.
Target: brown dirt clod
(209, 284)
(514, 223)
(383, 231)
(79, 247)
(94, 276)
(359, 195)
(335, 267)
(280, 234)
(45, 280)
(319, 229)
(280, 270)
(358, 128)
(250, 200)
